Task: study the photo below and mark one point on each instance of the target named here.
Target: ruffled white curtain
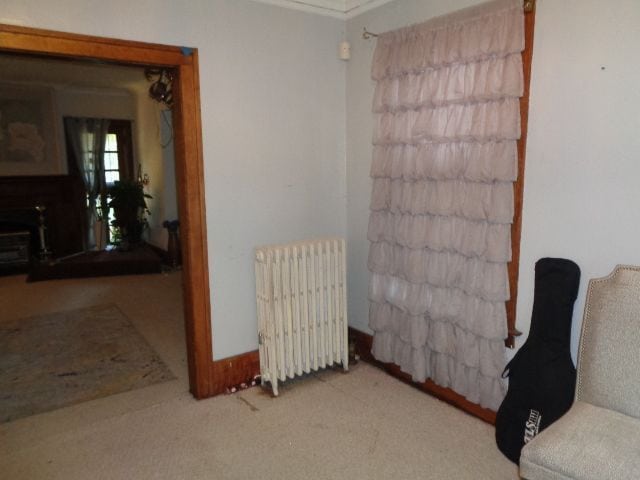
(444, 161)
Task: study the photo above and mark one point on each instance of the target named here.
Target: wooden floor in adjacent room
(360, 425)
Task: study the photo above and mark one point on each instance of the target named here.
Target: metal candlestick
(45, 253)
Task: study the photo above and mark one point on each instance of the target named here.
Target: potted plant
(128, 201)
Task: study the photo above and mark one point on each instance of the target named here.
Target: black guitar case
(542, 377)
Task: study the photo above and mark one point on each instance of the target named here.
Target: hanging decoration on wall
(161, 88)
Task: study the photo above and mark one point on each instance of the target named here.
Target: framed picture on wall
(28, 136)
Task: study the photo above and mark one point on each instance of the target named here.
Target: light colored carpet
(58, 359)
(359, 425)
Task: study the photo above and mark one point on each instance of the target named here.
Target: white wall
(274, 148)
(169, 166)
(273, 118)
(150, 158)
(581, 199)
(90, 102)
(147, 124)
(273, 107)
(95, 103)
(146, 129)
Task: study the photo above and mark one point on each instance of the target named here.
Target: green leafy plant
(128, 201)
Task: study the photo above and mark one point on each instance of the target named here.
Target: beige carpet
(360, 425)
(58, 359)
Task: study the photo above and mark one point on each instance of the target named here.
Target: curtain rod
(366, 34)
(528, 6)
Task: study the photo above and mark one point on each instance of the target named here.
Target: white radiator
(301, 298)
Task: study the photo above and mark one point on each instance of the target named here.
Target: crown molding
(353, 8)
(342, 9)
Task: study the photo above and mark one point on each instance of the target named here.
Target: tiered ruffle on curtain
(444, 162)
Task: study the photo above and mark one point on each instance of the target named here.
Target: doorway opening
(187, 135)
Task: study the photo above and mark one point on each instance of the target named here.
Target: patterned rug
(59, 359)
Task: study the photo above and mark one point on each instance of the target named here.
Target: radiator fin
(301, 299)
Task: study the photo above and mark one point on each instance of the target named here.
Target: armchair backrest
(609, 356)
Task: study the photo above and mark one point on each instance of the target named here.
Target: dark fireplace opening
(19, 239)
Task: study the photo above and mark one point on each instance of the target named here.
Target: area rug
(59, 359)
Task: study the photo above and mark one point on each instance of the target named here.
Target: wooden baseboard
(233, 371)
(161, 252)
(363, 342)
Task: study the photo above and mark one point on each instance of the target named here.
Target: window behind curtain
(118, 160)
(111, 167)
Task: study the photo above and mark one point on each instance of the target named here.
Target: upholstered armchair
(599, 437)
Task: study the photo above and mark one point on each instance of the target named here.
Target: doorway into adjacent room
(181, 133)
